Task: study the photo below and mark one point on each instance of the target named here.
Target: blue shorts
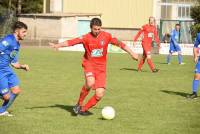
(197, 68)
(174, 48)
(8, 82)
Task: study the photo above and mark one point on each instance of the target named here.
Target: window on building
(166, 11)
(183, 12)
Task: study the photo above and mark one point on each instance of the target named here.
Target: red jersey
(95, 47)
(149, 34)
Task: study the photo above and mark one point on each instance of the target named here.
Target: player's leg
(149, 59)
(89, 83)
(13, 83)
(5, 93)
(100, 83)
(99, 93)
(180, 58)
(169, 56)
(195, 83)
(171, 51)
(142, 61)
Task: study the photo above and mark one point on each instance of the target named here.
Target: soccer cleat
(76, 108)
(155, 70)
(85, 113)
(6, 113)
(192, 96)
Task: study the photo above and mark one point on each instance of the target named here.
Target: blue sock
(169, 58)
(195, 86)
(7, 104)
(180, 58)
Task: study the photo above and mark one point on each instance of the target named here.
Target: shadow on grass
(68, 108)
(130, 69)
(162, 63)
(175, 93)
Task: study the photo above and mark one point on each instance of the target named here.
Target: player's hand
(54, 46)
(25, 67)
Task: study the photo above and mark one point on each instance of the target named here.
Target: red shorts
(146, 48)
(99, 73)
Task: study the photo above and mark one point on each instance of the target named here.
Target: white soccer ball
(108, 113)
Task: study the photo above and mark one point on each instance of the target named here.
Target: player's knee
(148, 56)
(16, 90)
(197, 76)
(100, 93)
(90, 85)
(6, 97)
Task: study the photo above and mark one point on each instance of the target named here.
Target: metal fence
(166, 26)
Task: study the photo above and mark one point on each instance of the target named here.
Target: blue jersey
(174, 46)
(174, 37)
(197, 45)
(9, 48)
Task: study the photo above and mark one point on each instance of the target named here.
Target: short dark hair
(95, 21)
(178, 25)
(19, 25)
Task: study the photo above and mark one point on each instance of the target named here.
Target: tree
(195, 14)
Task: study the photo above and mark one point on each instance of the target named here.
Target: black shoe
(155, 70)
(85, 113)
(192, 96)
(76, 108)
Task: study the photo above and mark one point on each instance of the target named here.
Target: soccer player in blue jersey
(9, 83)
(195, 83)
(174, 45)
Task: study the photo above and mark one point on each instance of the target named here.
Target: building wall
(115, 13)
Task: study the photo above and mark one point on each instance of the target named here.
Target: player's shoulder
(145, 25)
(8, 39)
(105, 33)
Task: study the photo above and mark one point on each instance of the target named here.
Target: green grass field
(145, 103)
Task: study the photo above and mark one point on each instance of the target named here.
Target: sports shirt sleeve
(156, 36)
(4, 44)
(117, 42)
(75, 41)
(138, 34)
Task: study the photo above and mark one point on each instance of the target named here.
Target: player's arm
(120, 44)
(17, 65)
(66, 43)
(138, 34)
(157, 40)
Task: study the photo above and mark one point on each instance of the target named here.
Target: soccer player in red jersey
(94, 63)
(149, 34)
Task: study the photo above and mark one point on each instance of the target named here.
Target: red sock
(83, 94)
(141, 64)
(92, 102)
(151, 65)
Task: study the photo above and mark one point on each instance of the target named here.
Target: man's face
(177, 27)
(21, 33)
(95, 30)
(151, 21)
